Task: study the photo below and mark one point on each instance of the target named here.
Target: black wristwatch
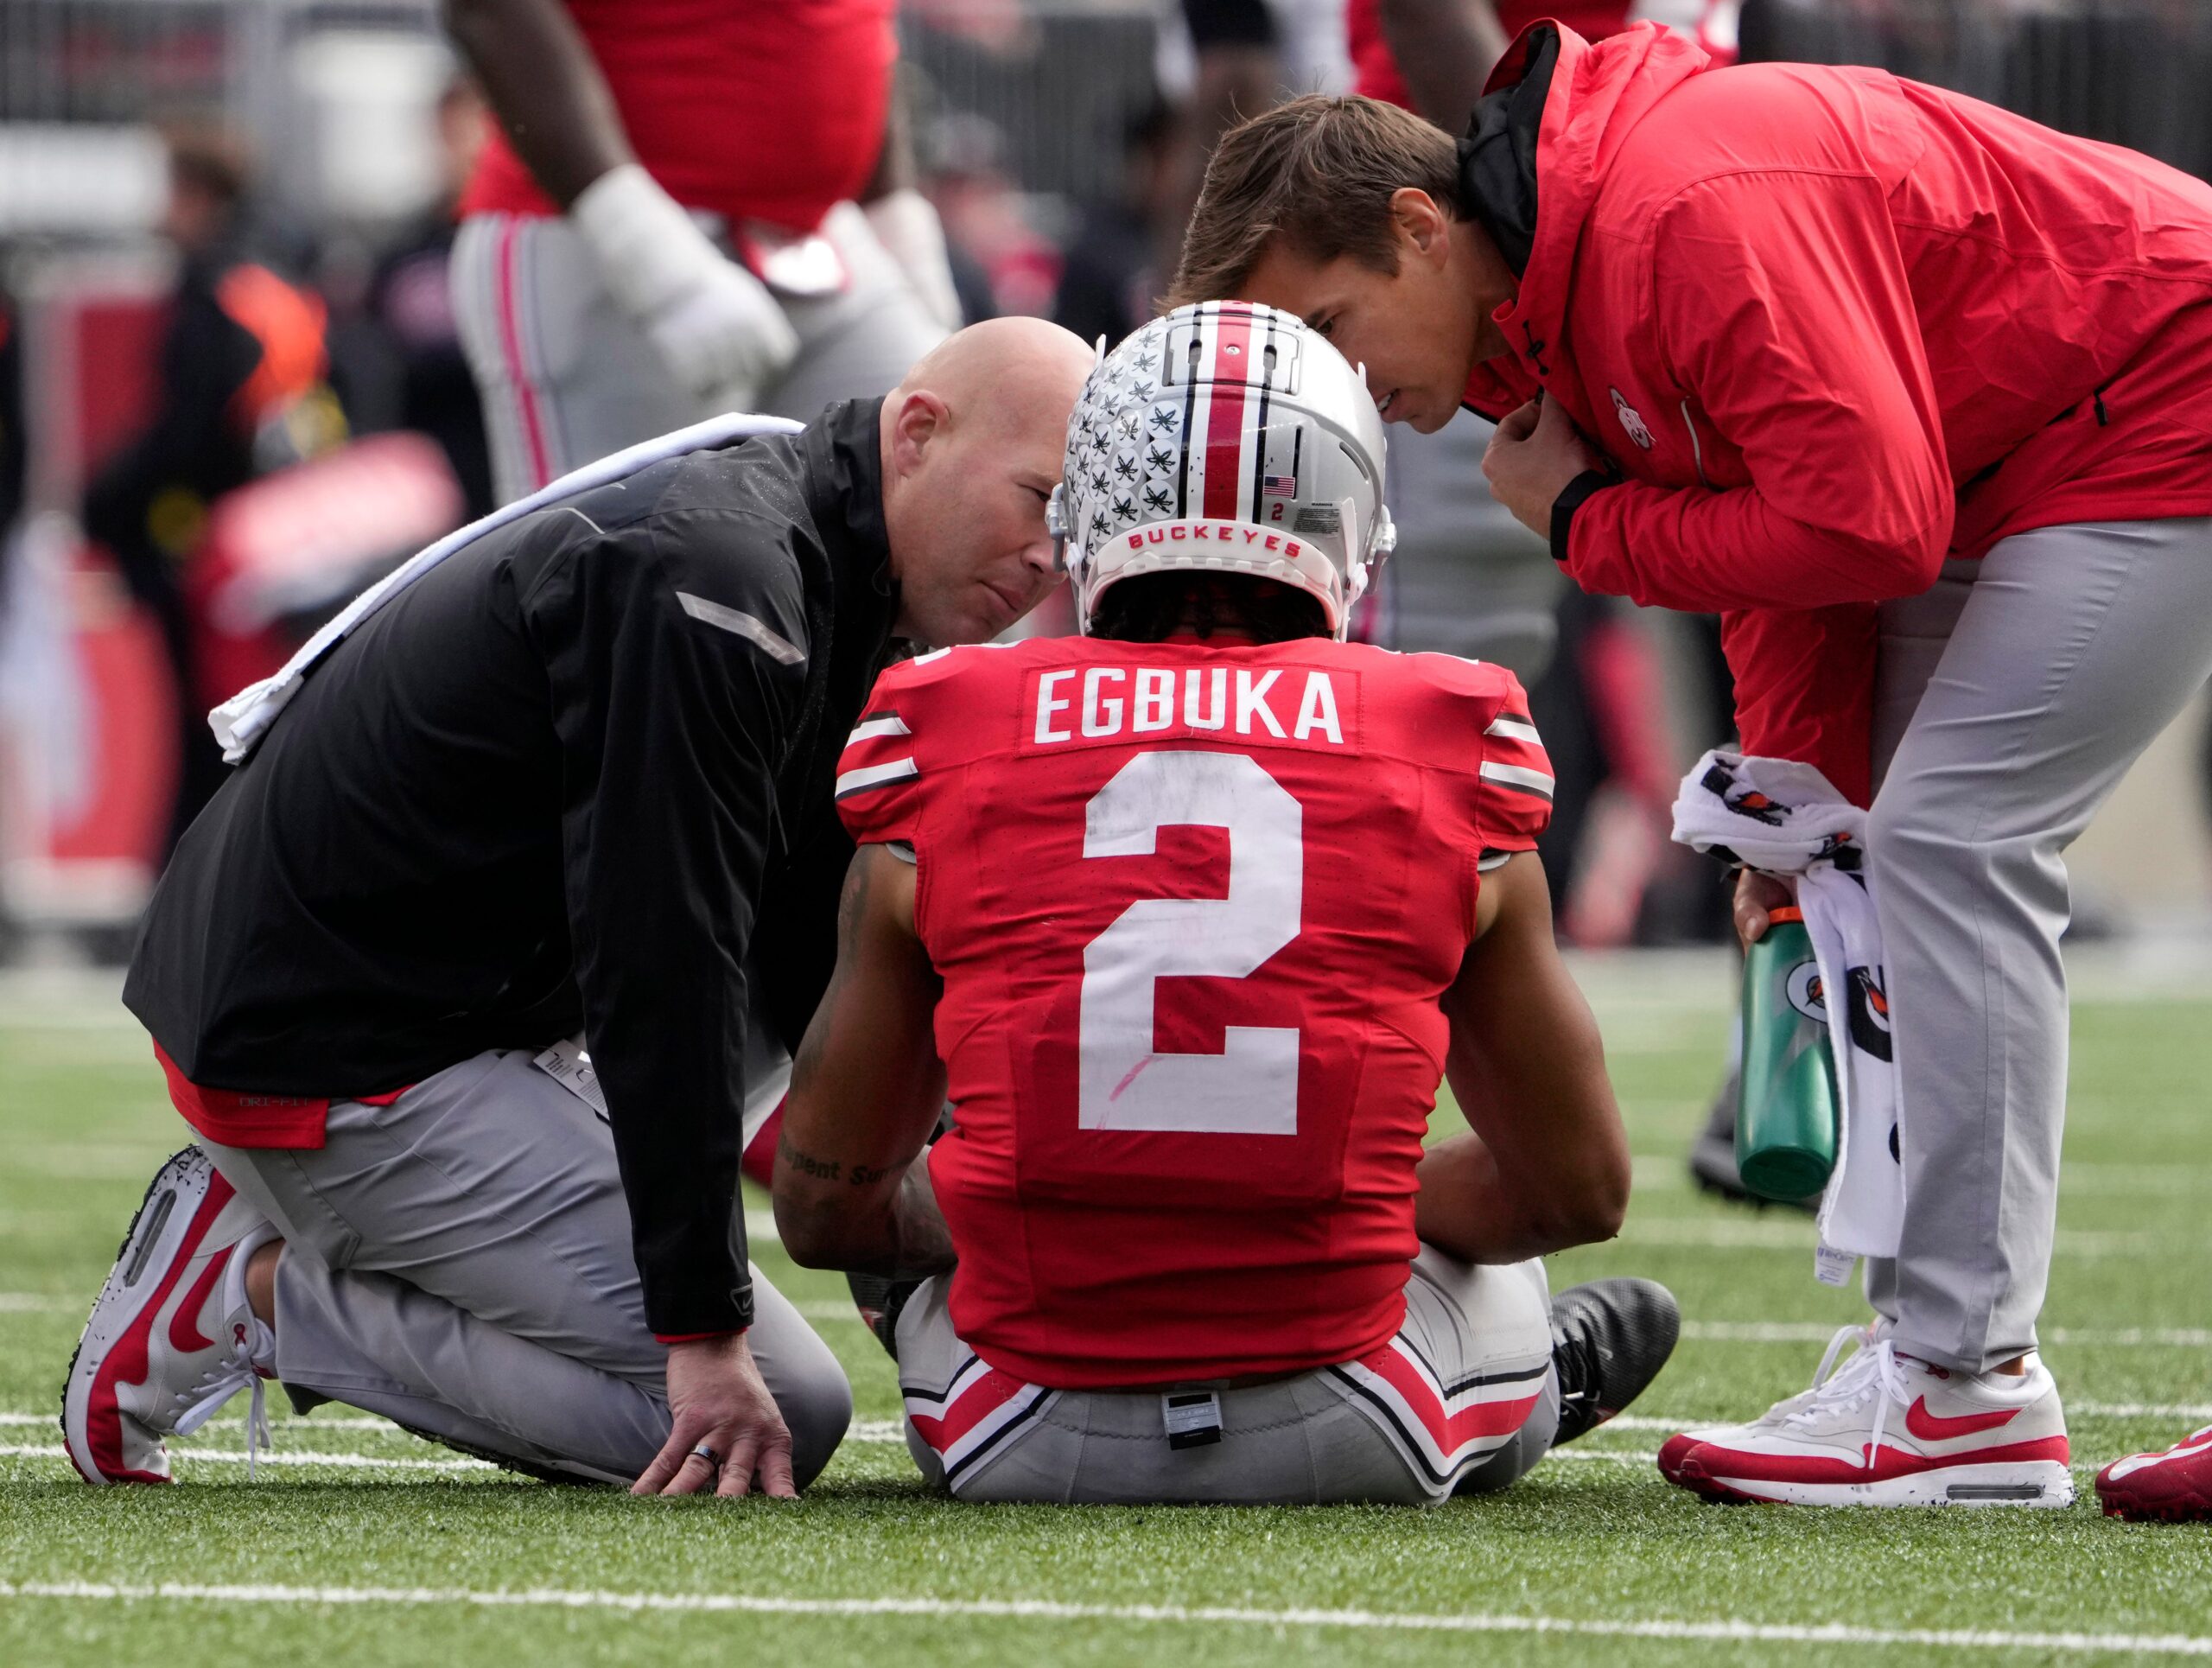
(1568, 501)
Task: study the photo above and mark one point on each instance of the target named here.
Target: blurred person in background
(409, 306)
(1002, 264)
(1110, 277)
(240, 389)
(1222, 60)
(14, 450)
(665, 227)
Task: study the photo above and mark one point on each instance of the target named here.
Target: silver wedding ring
(703, 1452)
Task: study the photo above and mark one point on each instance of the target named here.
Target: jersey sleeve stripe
(1513, 728)
(1518, 778)
(877, 724)
(875, 776)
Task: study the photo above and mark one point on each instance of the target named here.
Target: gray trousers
(567, 378)
(2010, 700)
(1406, 1431)
(459, 1261)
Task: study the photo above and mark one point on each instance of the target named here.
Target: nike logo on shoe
(184, 1325)
(1934, 1428)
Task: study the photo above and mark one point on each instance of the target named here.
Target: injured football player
(1187, 917)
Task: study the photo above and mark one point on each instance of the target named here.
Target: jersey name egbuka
(1103, 703)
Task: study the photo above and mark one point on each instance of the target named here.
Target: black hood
(1498, 157)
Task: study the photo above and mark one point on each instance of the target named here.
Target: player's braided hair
(1150, 607)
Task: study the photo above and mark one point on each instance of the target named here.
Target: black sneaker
(880, 1298)
(1609, 1340)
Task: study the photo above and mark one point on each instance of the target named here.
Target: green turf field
(363, 1546)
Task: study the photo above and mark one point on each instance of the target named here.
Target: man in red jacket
(1918, 396)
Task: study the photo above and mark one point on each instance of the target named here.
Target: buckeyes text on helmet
(1225, 437)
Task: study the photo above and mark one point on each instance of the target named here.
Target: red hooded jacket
(1835, 327)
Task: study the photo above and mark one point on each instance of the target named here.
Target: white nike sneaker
(1888, 1429)
(1859, 1337)
(2173, 1485)
(172, 1337)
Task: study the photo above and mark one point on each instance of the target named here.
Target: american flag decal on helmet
(1279, 487)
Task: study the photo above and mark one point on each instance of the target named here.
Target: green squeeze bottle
(1786, 1112)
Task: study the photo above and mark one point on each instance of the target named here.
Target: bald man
(455, 979)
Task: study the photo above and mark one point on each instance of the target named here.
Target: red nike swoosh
(1932, 1427)
(184, 1325)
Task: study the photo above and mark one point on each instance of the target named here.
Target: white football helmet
(1225, 436)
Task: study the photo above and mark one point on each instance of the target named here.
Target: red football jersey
(1193, 907)
(771, 110)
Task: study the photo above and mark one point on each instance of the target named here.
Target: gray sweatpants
(1463, 1400)
(2010, 700)
(567, 378)
(459, 1261)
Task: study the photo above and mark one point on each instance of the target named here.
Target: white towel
(244, 718)
(1786, 819)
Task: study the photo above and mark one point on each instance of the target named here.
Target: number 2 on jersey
(1251, 1087)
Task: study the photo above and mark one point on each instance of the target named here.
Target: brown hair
(1319, 173)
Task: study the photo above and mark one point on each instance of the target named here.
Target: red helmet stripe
(1226, 396)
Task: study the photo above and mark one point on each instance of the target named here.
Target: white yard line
(1727, 1630)
(283, 1424)
(1797, 1234)
(2087, 1409)
(1668, 1172)
(348, 1462)
(1819, 1332)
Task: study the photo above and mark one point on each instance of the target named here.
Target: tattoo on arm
(805, 1163)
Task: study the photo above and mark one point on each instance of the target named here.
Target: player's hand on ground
(1535, 452)
(718, 1399)
(1758, 896)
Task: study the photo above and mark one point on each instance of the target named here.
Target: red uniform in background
(1374, 71)
(708, 88)
(1194, 908)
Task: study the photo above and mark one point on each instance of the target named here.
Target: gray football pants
(1473, 1335)
(2011, 699)
(567, 378)
(460, 1262)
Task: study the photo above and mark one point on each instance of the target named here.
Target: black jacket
(574, 778)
